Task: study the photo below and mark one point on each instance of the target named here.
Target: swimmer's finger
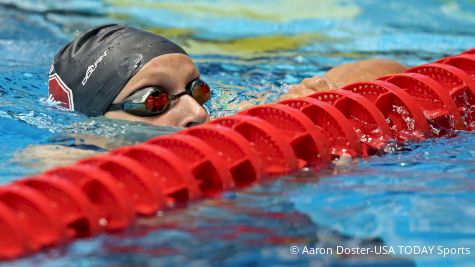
(317, 83)
(297, 91)
(288, 96)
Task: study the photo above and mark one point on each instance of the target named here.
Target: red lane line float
(464, 62)
(69, 201)
(459, 85)
(469, 52)
(134, 178)
(109, 200)
(401, 112)
(333, 124)
(13, 242)
(307, 141)
(433, 99)
(368, 122)
(34, 216)
(271, 146)
(175, 180)
(241, 160)
(207, 167)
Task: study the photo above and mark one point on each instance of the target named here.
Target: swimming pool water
(248, 51)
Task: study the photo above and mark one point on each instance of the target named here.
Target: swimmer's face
(171, 72)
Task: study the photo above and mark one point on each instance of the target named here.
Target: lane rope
(105, 193)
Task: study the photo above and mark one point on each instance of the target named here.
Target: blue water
(250, 51)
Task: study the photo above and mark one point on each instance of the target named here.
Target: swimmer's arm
(40, 158)
(43, 157)
(364, 70)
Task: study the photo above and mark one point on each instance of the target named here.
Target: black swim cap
(88, 73)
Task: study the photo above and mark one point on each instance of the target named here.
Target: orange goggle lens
(201, 92)
(157, 102)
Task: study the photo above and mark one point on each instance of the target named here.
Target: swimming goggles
(155, 100)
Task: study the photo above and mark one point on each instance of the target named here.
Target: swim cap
(88, 73)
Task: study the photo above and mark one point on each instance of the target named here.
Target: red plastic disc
(466, 63)
(434, 100)
(75, 209)
(459, 85)
(333, 124)
(469, 52)
(268, 142)
(463, 62)
(368, 121)
(307, 141)
(465, 98)
(232, 147)
(34, 216)
(207, 168)
(175, 181)
(401, 111)
(109, 199)
(138, 181)
(12, 236)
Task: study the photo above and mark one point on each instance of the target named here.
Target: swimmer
(126, 73)
(129, 74)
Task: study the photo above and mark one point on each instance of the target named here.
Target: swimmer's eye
(156, 100)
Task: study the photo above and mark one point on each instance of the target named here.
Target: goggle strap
(114, 107)
(173, 97)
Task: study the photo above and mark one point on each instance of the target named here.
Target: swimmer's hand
(364, 70)
(309, 86)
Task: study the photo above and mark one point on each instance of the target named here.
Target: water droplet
(102, 221)
(138, 63)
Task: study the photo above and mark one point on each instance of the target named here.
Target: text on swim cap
(91, 68)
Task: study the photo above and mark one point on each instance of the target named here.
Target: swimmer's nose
(196, 113)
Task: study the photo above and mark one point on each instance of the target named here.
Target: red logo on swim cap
(60, 92)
